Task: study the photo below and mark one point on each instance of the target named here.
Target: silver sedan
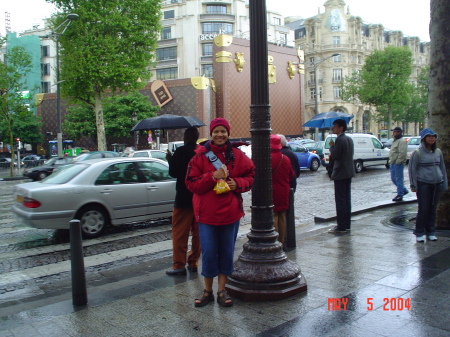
(98, 192)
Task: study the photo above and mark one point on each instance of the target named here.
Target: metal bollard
(79, 291)
(290, 222)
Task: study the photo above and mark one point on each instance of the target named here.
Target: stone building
(336, 31)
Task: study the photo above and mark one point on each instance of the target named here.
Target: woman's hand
(219, 174)
(232, 184)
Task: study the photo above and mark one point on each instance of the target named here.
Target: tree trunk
(439, 93)
(98, 108)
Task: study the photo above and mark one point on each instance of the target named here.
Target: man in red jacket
(282, 174)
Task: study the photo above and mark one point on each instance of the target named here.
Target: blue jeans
(217, 244)
(398, 179)
(428, 199)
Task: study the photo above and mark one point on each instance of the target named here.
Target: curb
(377, 205)
(13, 178)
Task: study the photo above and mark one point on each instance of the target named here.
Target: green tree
(118, 112)
(383, 82)
(108, 49)
(15, 118)
(416, 110)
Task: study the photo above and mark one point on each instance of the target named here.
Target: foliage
(15, 118)
(383, 82)
(118, 112)
(418, 104)
(108, 48)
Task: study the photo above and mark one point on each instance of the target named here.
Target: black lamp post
(56, 36)
(262, 271)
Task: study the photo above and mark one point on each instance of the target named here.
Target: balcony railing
(218, 17)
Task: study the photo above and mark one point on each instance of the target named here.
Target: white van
(369, 151)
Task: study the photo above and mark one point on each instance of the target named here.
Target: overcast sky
(411, 17)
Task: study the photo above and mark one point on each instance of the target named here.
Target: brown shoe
(207, 296)
(224, 299)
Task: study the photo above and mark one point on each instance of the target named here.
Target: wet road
(30, 256)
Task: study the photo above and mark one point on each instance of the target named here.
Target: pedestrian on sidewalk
(397, 161)
(286, 150)
(183, 220)
(218, 215)
(428, 178)
(282, 175)
(343, 172)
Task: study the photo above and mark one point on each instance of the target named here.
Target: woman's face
(219, 135)
(430, 140)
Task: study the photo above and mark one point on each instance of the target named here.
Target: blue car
(306, 159)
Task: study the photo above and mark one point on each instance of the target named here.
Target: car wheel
(93, 221)
(314, 164)
(359, 166)
(42, 175)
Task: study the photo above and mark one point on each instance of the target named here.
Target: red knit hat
(275, 142)
(219, 121)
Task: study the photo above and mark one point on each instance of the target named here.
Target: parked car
(316, 148)
(305, 158)
(368, 151)
(42, 171)
(99, 193)
(388, 143)
(413, 144)
(6, 162)
(32, 160)
(303, 141)
(158, 154)
(96, 155)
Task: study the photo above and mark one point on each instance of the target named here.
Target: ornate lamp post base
(263, 272)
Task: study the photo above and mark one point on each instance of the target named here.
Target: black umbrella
(167, 122)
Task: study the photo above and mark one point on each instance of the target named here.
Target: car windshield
(414, 141)
(64, 174)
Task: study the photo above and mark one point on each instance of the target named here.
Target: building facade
(350, 39)
(185, 48)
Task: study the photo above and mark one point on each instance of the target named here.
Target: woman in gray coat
(428, 178)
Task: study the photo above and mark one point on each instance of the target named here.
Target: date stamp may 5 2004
(389, 304)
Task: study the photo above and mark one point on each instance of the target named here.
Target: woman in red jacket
(218, 215)
(282, 174)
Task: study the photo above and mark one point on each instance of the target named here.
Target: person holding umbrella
(218, 215)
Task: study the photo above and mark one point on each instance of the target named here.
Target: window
(45, 69)
(312, 76)
(283, 39)
(169, 14)
(220, 9)
(166, 73)
(311, 59)
(337, 91)
(207, 49)
(154, 171)
(336, 40)
(166, 33)
(277, 21)
(217, 28)
(207, 70)
(312, 92)
(337, 75)
(376, 144)
(359, 59)
(168, 53)
(337, 58)
(45, 87)
(45, 51)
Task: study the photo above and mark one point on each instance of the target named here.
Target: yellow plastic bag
(221, 187)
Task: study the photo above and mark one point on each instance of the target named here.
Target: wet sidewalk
(387, 284)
